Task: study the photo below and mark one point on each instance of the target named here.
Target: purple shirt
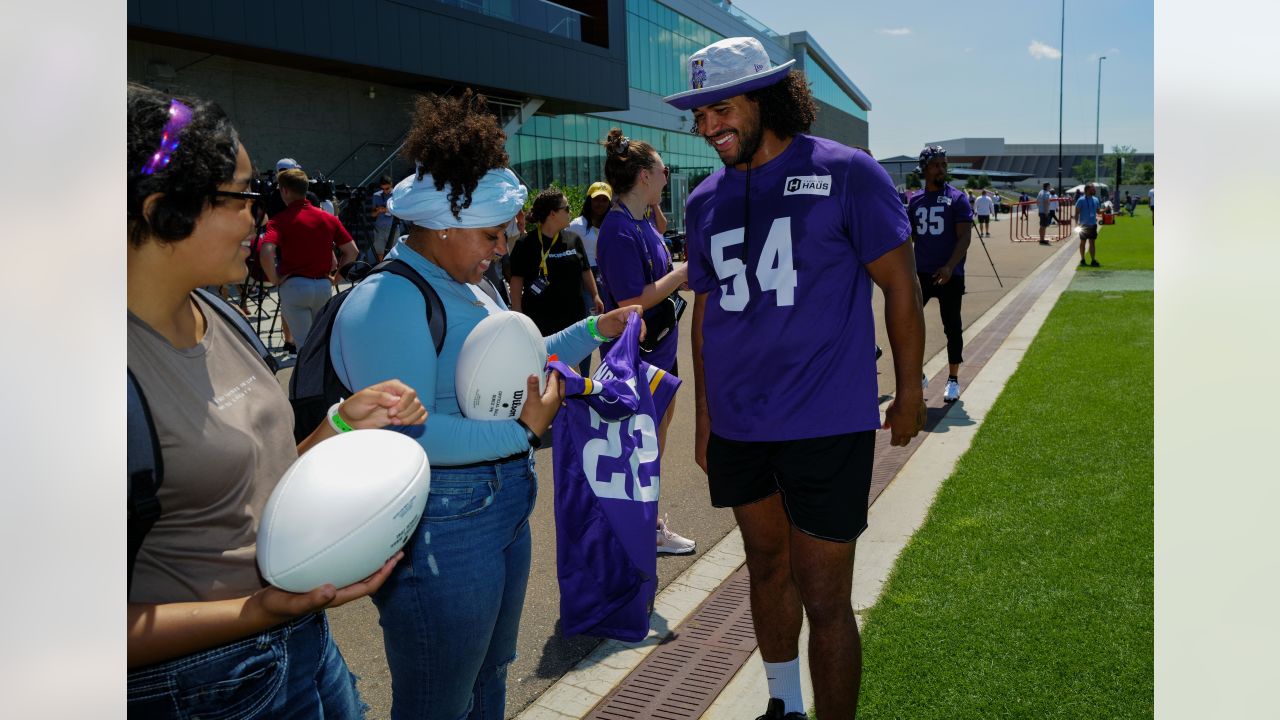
(630, 254)
(934, 217)
(788, 337)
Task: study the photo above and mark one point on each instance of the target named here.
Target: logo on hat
(699, 74)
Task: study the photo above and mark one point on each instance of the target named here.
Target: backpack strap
(238, 321)
(437, 318)
(492, 291)
(145, 467)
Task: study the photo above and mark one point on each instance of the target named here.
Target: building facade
(331, 82)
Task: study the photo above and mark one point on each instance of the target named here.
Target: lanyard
(546, 252)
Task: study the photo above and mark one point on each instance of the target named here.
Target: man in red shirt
(297, 253)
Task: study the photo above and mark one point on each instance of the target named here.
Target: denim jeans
(290, 671)
(450, 611)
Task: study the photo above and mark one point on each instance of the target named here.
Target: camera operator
(304, 237)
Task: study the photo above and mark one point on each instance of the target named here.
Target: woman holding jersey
(450, 612)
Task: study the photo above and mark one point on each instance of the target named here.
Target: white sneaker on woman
(671, 543)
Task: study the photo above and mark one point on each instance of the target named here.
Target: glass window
(557, 162)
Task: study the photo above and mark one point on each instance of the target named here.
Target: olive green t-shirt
(226, 437)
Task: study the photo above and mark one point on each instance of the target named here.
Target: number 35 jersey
(788, 334)
(934, 217)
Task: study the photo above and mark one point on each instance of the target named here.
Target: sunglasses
(257, 206)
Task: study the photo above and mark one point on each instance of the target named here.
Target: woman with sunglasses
(450, 613)
(550, 271)
(636, 269)
(206, 637)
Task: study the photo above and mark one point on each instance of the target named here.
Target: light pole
(1061, 59)
(1097, 123)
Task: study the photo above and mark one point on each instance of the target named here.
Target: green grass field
(1028, 591)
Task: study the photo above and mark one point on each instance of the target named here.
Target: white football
(494, 365)
(342, 509)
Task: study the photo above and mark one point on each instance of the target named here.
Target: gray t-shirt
(226, 437)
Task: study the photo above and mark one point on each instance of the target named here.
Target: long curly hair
(624, 159)
(786, 107)
(204, 159)
(457, 140)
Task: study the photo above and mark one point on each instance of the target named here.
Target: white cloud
(1040, 51)
(894, 31)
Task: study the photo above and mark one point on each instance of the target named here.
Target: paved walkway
(545, 656)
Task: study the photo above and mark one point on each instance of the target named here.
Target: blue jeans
(290, 671)
(450, 611)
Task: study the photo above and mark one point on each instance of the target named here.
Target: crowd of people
(792, 227)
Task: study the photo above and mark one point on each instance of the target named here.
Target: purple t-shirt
(630, 254)
(788, 336)
(933, 217)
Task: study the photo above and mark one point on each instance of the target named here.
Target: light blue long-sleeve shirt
(381, 333)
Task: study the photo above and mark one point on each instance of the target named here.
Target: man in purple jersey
(941, 227)
(784, 244)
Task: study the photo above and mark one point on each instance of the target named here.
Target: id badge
(537, 286)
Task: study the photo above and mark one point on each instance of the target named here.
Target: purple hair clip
(179, 117)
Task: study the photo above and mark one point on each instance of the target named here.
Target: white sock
(784, 684)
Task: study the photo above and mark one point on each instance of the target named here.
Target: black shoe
(776, 706)
(1084, 264)
(290, 349)
(1095, 263)
(1044, 242)
(879, 352)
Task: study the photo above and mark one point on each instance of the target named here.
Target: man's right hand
(701, 438)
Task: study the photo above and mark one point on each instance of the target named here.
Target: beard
(749, 138)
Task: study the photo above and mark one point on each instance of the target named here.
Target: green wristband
(335, 419)
(591, 328)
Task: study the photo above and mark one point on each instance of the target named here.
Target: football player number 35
(775, 270)
(929, 220)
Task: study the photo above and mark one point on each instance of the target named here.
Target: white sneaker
(952, 393)
(924, 381)
(671, 543)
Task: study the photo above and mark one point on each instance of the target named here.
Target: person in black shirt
(549, 269)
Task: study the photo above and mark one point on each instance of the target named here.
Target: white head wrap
(496, 200)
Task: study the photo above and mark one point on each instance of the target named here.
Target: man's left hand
(941, 275)
(904, 420)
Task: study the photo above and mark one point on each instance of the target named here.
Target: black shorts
(825, 482)
(1088, 232)
(983, 218)
(1044, 219)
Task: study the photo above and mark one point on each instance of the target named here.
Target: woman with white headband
(451, 610)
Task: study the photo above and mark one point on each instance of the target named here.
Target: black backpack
(145, 461)
(315, 386)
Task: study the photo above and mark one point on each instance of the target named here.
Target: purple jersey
(630, 254)
(788, 335)
(606, 491)
(934, 217)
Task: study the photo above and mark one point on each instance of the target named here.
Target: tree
(1085, 170)
(913, 180)
(1141, 174)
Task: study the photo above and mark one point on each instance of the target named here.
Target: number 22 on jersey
(775, 270)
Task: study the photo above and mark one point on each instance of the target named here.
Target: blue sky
(936, 71)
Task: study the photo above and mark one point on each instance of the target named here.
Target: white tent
(1080, 188)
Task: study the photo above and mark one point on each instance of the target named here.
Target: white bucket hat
(727, 68)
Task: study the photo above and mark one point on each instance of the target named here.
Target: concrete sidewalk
(893, 518)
